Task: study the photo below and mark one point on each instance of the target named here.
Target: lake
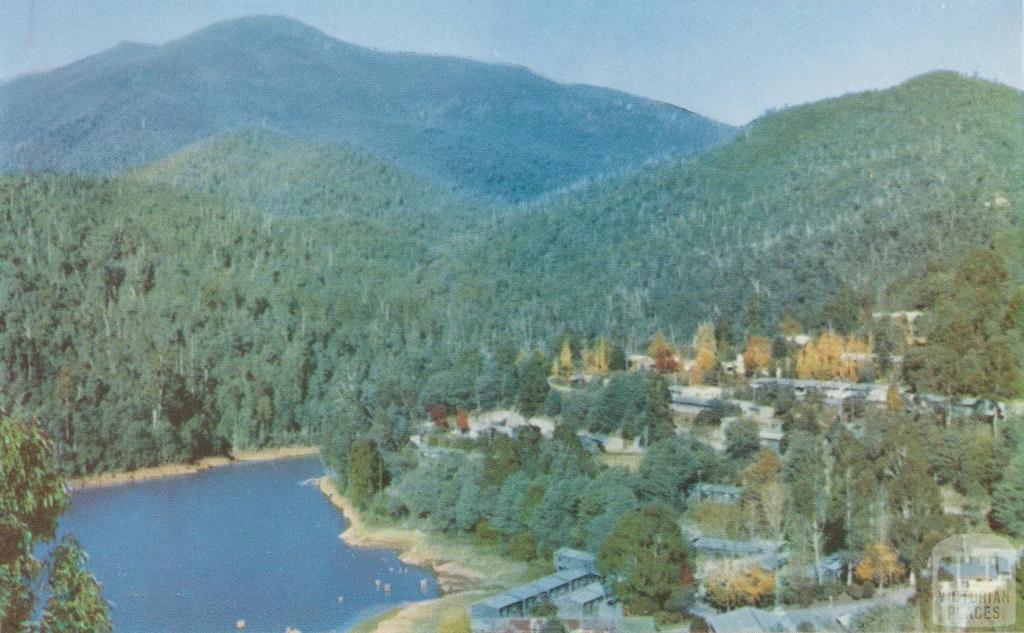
(196, 553)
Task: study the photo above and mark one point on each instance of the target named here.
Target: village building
(715, 493)
(575, 590)
(602, 442)
(568, 558)
(836, 618)
(716, 547)
(639, 362)
(626, 624)
(832, 568)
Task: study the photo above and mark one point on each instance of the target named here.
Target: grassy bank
(466, 572)
(177, 470)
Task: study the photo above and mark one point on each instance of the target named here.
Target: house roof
(523, 591)
(636, 624)
(500, 601)
(735, 548)
(977, 568)
(546, 584)
(585, 595)
(833, 561)
(569, 552)
(724, 489)
(570, 575)
(745, 620)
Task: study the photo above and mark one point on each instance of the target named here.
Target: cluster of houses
(690, 401)
(837, 393)
(575, 591)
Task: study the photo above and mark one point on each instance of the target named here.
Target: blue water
(195, 554)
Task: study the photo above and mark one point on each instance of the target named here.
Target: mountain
(820, 212)
(235, 293)
(497, 131)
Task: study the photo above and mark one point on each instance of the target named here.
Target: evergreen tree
(972, 333)
(1008, 498)
(532, 376)
(657, 411)
(646, 559)
(366, 474)
(742, 438)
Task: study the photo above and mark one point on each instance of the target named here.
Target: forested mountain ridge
(497, 131)
(283, 176)
(143, 324)
(854, 194)
(255, 289)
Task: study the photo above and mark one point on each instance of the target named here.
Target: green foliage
(671, 466)
(32, 498)
(823, 204)
(742, 438)
(973, 332)
(532, 376)
(75, 604)
(646, 559)
(366, 473)
(657, 413)
(1008, 498)
(523, 546)
(623, 404)
(154, 325)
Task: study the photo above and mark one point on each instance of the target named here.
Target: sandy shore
(177, 470)
(451, 576)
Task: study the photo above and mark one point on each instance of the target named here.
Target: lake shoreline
(451, 576)
(178, 470)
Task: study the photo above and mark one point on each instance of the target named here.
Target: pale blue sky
(728, 59)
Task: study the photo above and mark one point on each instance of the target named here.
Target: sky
(728, 59)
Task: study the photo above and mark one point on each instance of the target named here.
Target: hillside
(853, 193)
(157, 325)
(286, 177)
(253, 288)
(497, 131)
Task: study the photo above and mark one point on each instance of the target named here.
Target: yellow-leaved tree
(706, 346)
(729, 587)
(879, 565)
(832, 356)
(565, 366)
(757, 356)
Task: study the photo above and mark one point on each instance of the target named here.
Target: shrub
(486, 533)
(523, 546)
(860, 591)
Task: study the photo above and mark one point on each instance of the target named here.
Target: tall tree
(532, 376)
(657, 410)
(972, 333)
(75, 604)
(366, 473)
(1008, 498)
(31, 500)
(646, 559)
(757, 357)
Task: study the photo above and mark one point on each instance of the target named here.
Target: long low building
(518, 601)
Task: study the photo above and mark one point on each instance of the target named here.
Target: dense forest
(255, 289)
(854, 197)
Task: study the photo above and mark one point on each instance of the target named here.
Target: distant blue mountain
(492, 130)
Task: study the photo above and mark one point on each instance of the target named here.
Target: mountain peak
(262, 32)
(491, 130)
